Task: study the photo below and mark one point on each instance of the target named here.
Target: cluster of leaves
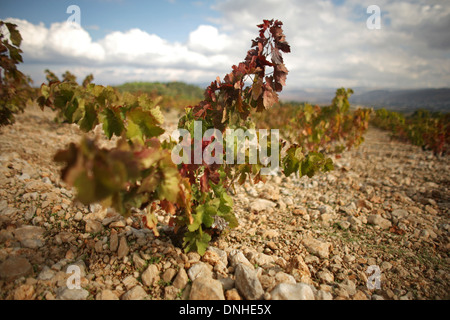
(136, 173)
(431, 131)
(328, 129)
(230, 103)
(139, 173)
(15, 87)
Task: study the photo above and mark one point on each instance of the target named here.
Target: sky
(195, 41)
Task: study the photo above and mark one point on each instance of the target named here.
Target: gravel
(385, 206)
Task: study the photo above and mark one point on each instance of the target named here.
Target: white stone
(206, 288)
(379, 221)
(237, 257)
(247, 282)
(136, 293)
(288, 291)
(200, 269)
(150, 275)
(65, 293)
(317, 247)
(262, 204)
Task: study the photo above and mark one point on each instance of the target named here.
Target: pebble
(200, 269)
(113, 241)
(150, 276)
(93, 226)
(400, 213)
(136, 293)
(46, 274)
(25, 292)
(237, 257)
(324, 295)
(139, 263)
(65, 293)
(325, 276)
(123, 249)
(168, 275)
(299, 269)
(349, 286)
(15, 267)
(232, 294)
(248, 283)
(129, 282)
(30, 236)
(288, 291)
(78, 216)
(262, 205)
(206, 288)
(292, 232)
(106, 295)
(317, 247)
(181, 280)
(379, 221)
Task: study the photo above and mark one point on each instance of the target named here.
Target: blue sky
(196, 41)
(171, 20)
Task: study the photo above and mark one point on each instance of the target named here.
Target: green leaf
(204, 214)
(292, 161)
(89, 120)
(112, 123)
(202, 243)
(208, 215)
(14, 53)
(63, 96)
(198, 218)
(14, 34)
(196, 241)
(142, 125)
(45, 91)
(170, 184)
(86, 190)
(72, 107)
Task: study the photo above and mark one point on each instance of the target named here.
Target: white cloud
(70, 45)
(208, 39)
(331, 45)
(60, 41)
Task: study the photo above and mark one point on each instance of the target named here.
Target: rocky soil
(384, 209)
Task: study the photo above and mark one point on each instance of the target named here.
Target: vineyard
(89, 178)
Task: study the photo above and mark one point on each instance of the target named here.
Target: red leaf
(204, 186)
(257, 89)
(270, 98)
(167, 206)
(276, 56)
(280, 72)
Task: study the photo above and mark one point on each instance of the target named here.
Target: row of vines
(139, 174)
(425, 129)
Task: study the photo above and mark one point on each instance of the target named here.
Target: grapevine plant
(15, 89)
(431, 131)
(328, 129)
(138, 174)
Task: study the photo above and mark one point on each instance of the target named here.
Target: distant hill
(320, 96)
(180, 94)
(405, 100)
(173, 94)
(170, 89)
(398, 100)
